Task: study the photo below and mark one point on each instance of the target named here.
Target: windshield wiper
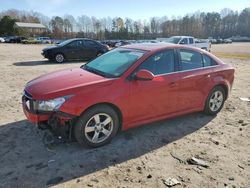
(95, 71)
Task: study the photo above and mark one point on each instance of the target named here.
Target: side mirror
(144, 75)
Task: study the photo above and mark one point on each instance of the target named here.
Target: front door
(157, 97)
(73, 49)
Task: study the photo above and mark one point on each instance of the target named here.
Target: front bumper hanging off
(59, 123)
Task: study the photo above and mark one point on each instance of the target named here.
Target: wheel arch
(221, 81)
(113, 106)
(225, 87)
(206, 108)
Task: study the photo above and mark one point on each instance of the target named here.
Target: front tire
(215, 101)
(59, 58)
(97, 126)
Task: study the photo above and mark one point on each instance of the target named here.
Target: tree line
(225, 24)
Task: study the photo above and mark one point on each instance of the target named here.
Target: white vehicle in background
(189, 41)
(2, 39)
(44, 40)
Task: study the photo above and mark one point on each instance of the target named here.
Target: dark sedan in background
(14, 39)
(74, 49)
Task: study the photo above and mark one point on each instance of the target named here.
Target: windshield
(114, 63)
(174, 40)
(65, 42)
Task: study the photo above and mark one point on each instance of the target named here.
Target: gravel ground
(142, 157)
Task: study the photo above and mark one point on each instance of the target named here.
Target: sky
(135, 9)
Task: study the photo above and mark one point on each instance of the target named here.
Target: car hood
(50, 47)
(65, 82)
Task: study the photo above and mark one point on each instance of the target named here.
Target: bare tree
(225, 24)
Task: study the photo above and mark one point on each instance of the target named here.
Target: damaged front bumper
(59, 123)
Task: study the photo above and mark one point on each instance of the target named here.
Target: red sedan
(127, 87)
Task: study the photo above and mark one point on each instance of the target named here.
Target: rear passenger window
(208, 61)
(191, 41)
(89, 43)
(190, 59)
(160, 63)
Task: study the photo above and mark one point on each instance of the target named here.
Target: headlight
(51, 105)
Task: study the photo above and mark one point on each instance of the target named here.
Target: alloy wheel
(59, 58)
(98, 128)
(216, 100)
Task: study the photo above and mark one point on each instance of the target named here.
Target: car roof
(81, 39)
(183, 36)
(157, 46)
(150, 46)
(154, 47)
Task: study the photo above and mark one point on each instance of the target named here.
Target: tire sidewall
(84, 118)
(207, 109)
(62, 56)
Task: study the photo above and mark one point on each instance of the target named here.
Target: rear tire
(97, 126)
(215, 101)
(99, 54)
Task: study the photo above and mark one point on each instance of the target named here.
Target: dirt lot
(141, 157)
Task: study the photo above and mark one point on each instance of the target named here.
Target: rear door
(195, 79)
(90, 49)
(157, 97)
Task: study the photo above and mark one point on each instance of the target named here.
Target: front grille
(27, 94)
(29, 102)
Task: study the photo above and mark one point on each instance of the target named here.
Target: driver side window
(75, 44)
(184, 41)
(160, 63)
